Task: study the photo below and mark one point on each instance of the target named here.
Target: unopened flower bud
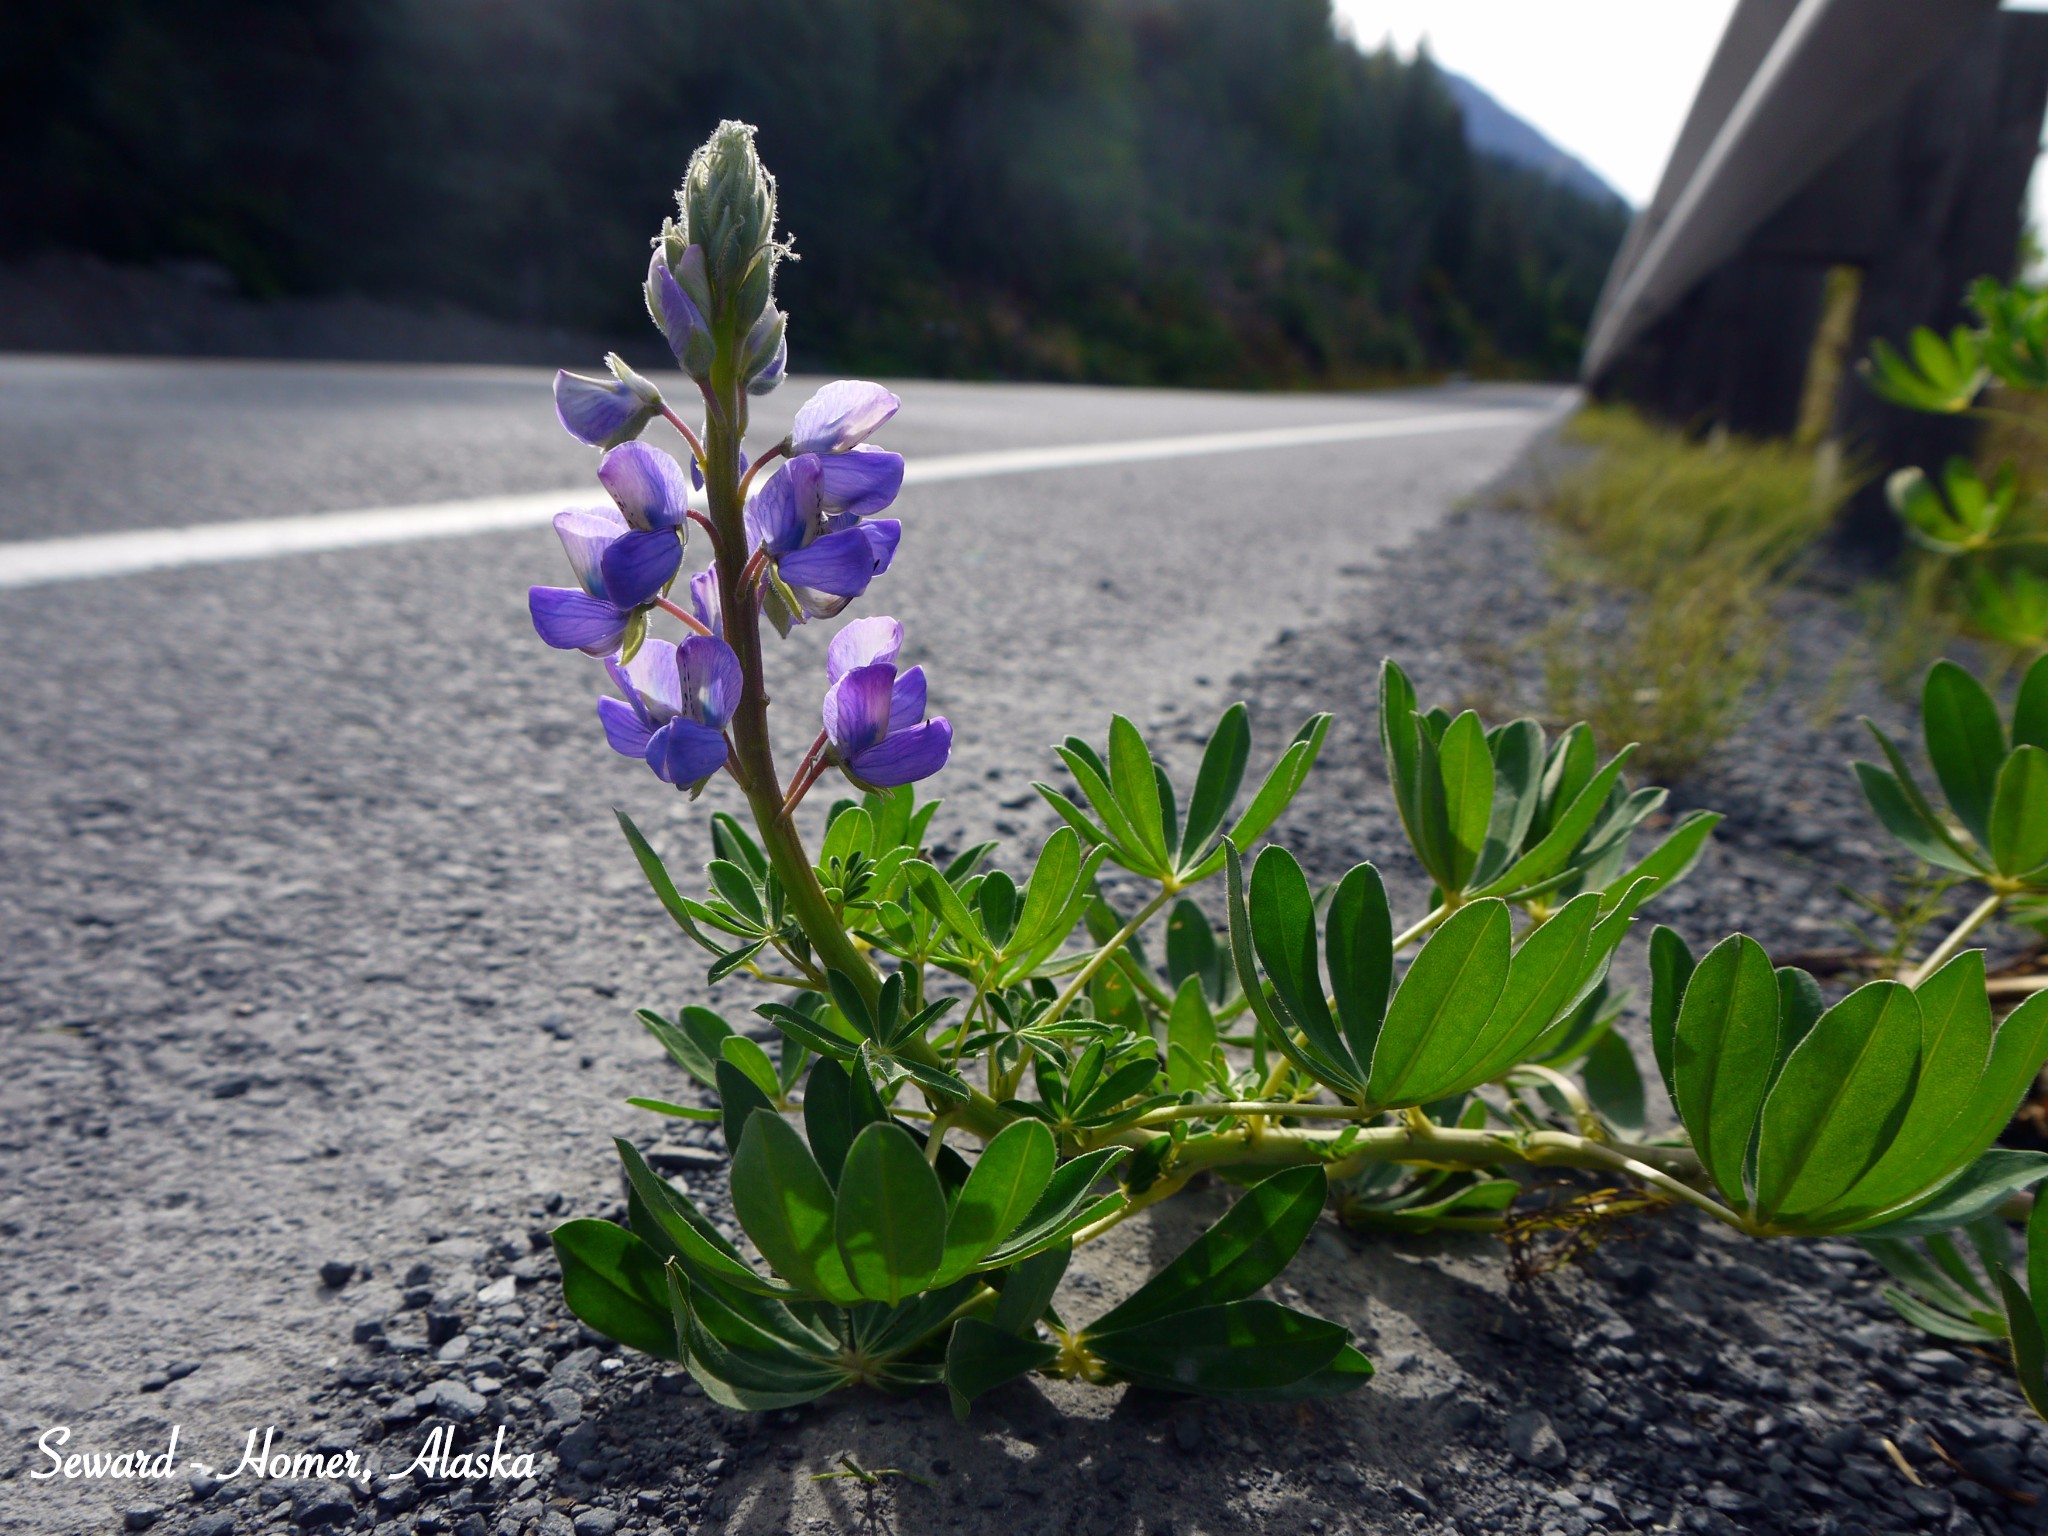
(728, 203)
(767, 352)
(681, 322)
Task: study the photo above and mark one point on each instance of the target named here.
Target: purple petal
(775, 513)
(636, 566)
(905, 757)
(819, 605)
(840, 415)
(624, 728)
(647, 484)
(861, 644)
(570, 620)
(586, 534)
(710, 680)
(906, 700)
(883, 535)
(770, 376)
(652, 676)
(860, 482)
(600, 412)
(705, 600)
(856, 708)
(684, 752)
(682, 325)
(841, 564)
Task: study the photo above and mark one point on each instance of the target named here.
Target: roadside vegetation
(1676, 551)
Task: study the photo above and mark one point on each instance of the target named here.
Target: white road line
(100, 555)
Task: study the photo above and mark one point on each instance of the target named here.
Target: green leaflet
(1442, 1003)
(1238, 1346)
(1466, 762)
(1724, 1046)
(1965, 743)
(1190, 1036)
(1837, 1102)
(1671, 967)
(1359, 944)
(1543, 977)
(1008, 1179)
(890, 1216)
(2019, 813)
(1905, 816)
(1136, 789)
(614, 1282)
(2030, 707)
(1217, 781)
(981, 1357)
(1247, 1247)
(787, 1206)
(1283, 924)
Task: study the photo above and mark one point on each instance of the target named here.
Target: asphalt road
(316, 938)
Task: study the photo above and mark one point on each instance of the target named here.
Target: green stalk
(1945, 951)
(1117, 941)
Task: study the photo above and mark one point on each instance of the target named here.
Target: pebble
(336, 1273)
(140, 1517)
(596, 1522)
(1534, 1439)
(451, 1398)
(319, 1504)
(498, 1292)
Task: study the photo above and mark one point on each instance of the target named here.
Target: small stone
(366, 1329)
(1187, 1432)
(220, 1523)
(454, 1349)
(155, 1381)
(336, 1273)
(323, 1504)
(202, 1480)
(560, 1403)
(140, 1517)
(421, 1273)
(178, 1370)
(1940, 1364)
(441, 1327)
(453, 1399)
(498, 1292)
(685, 1160)
(1534, 1439)
(596, 1522)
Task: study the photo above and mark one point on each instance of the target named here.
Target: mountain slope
(1492, 129)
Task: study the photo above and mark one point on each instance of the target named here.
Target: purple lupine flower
(623, 555)
(874, 715)
(678, 699)
(766, 355)
(605, 412)
(842, 415)
(813, 520)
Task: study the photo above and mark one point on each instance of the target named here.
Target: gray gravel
(321, 955)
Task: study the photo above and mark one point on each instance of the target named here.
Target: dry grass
(1680, 549)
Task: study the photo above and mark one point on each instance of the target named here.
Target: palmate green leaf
(1217, 781)
(1518, 762)
(1009, 1178)
(837, 1106)
(737, 889)
(1944, 1293)
(1724, 1047)
(658, 878)
(1445, 999)
(694, 1046)
(669, 1223)
(1671, 967)
(1837, 1101)
(1314, 1064)
(1466, 762)
(733, 843)
(981, 1357)
(2019, 812)
(890, 1217)
(1965, 742)
(1027, 1287)
(816, 1034)
(738, 1366)
(1247, 1247)
(1983, 1186)
(614, 1282)
(787, 1206)
(1126, 846)
(937, 894)
(1274, 795)
(1943, 377)
(1553, 852)
(1239, 1346)
(1671, 860)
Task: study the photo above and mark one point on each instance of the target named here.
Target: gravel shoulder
(1682, 1379)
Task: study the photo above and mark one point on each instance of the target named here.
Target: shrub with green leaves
(957, 1072)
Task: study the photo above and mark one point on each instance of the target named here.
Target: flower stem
(682, 613)
(1945, 951)
(690, 437)
(755, 468)
(1422, 926)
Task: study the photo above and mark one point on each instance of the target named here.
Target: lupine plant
(977, 1069)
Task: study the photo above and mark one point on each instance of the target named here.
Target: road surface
(317, 939)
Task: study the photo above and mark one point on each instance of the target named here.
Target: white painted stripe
(97, 556)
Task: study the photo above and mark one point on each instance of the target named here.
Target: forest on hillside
(1214, 192)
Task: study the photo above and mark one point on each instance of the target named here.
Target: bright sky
(1609, 80)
